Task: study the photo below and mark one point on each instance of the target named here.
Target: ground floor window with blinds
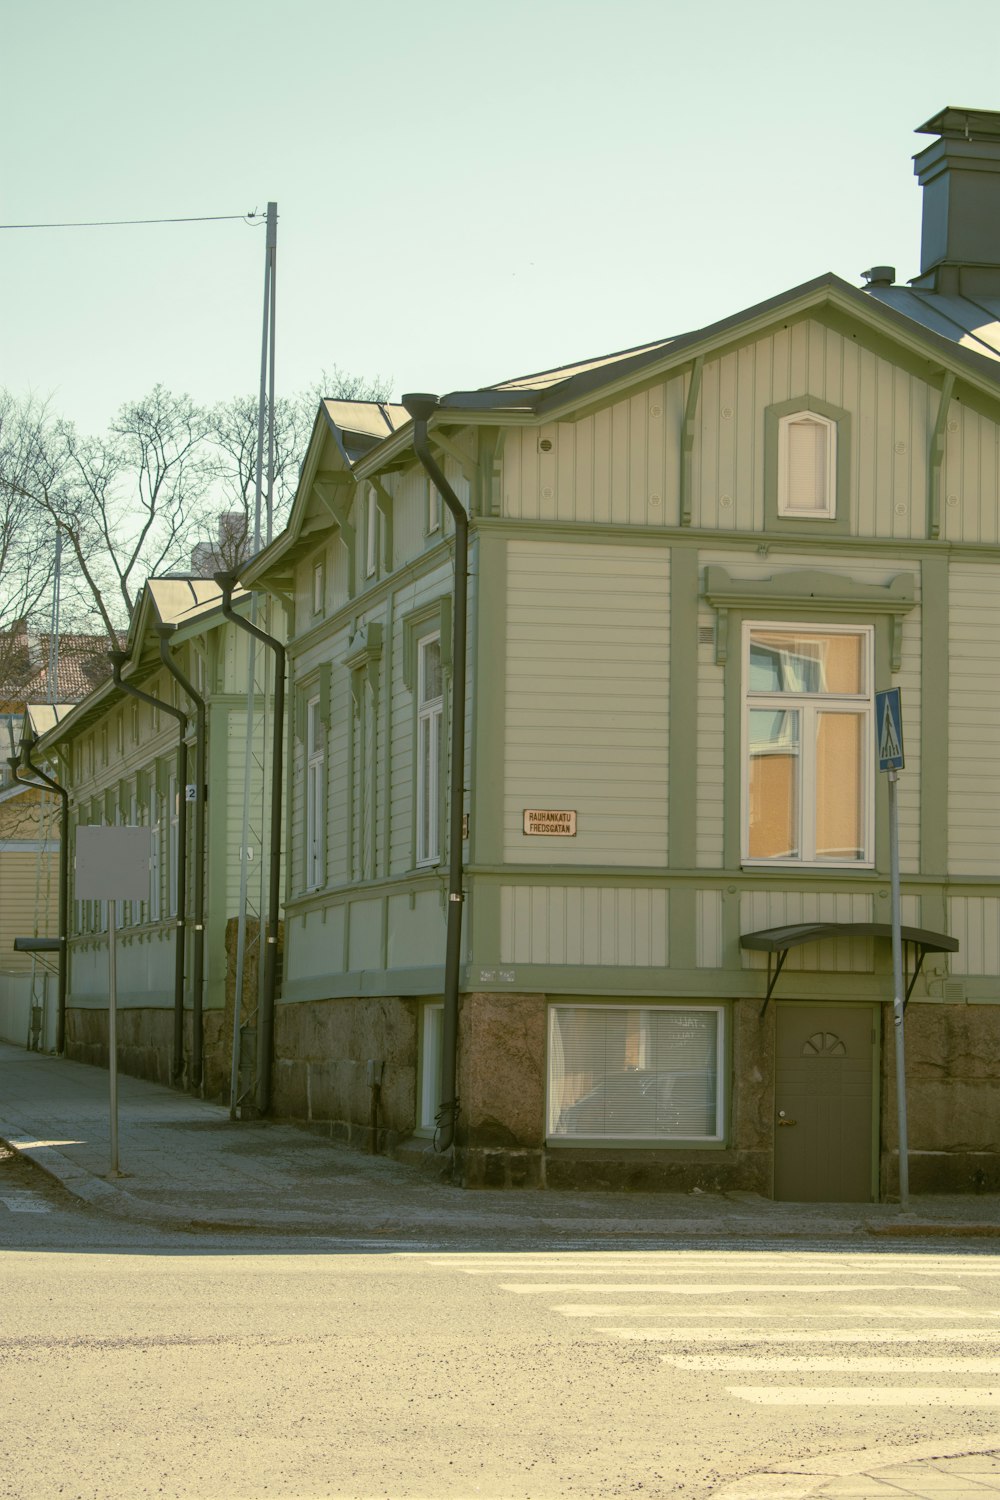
(635, 1073)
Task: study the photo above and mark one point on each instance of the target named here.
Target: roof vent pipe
(880, 276)
(421, 408)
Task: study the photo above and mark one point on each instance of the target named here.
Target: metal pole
(113, 1037)
(897, 997)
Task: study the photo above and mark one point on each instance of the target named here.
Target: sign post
(112, 864)
(889, 731)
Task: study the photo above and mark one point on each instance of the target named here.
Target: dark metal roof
(779, 939)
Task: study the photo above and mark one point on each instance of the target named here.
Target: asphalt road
(138, 1362)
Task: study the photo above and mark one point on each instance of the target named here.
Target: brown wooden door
(823, 1103)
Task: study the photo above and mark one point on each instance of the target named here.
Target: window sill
(631, 1142)
(841, 866)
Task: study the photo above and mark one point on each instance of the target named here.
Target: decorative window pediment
(804, 591)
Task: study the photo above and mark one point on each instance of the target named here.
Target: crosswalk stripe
(854, 1364)
(850, 1395)
(711, 1289)
(737, 1314)
(753, 1339)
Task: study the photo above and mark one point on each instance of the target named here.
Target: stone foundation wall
(320, 1074)
(500, 1140)
(952, 1099)
(146, 1044)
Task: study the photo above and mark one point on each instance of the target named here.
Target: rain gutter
(198, 975)
(227, 582)
(421, 407)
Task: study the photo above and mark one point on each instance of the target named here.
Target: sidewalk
(185, 1163)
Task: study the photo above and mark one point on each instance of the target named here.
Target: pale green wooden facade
(118, 758)
(624, 524)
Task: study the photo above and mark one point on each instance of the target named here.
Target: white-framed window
(315, 797)
(174, 844)
(135, 906)
(155, 853)
(430, 711)
(807, 466)
(319, 587)
(433, 509)
(431, 1040)
(808, 756)
(641, 1073)
(371, 534)
(120, 732)
(135, 721)
(155, 693)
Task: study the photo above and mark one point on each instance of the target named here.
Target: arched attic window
(807, 466)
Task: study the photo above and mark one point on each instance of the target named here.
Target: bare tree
(234, 428)
(341, 385)
(129, 504)
(28, 457)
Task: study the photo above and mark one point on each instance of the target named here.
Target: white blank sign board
(112, 864)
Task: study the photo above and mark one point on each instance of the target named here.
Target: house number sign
(548, 824)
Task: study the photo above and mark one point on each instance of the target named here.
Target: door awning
(779, 940)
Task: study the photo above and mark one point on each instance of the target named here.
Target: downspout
(421, 407)
(28, 744)
(118, 659)
(198, 977)
(226, 582)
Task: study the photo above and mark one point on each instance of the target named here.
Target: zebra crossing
(782, 1328)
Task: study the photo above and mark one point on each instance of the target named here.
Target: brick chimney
(960, 176)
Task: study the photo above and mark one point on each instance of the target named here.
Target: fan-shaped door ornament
(824, 1044)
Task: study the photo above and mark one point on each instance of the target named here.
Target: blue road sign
(889, 730)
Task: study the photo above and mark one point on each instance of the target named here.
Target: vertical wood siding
(621, 465)
(762, 909)
(601, 925)
(586, 695)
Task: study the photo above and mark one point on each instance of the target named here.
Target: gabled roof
(973, 325)
(81, 663)
(939, 330)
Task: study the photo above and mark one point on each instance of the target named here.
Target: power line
(114, 223)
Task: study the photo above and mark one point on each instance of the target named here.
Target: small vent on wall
(706, 635)
(954, 990)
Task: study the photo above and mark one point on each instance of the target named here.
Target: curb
(108, 1197)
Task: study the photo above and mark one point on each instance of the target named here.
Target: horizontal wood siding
(604, 925)
(23, 877)
(586, 697)
(974, 721)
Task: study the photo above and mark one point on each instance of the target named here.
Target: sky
(466, 191)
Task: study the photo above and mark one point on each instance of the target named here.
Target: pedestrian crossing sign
(889, 730)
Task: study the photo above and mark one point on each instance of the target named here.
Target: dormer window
(807, 466)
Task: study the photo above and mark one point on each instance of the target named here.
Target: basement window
(639, 1074)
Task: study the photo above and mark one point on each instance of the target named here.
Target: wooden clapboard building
(691, 564)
